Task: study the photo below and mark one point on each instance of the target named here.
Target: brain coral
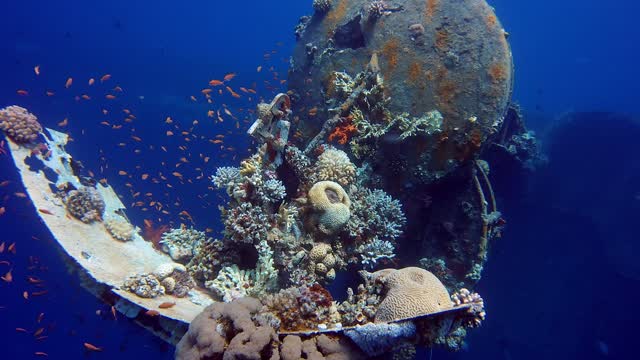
(334, 165)
(85, 204)
(410, 292)
(330, 205)
(19, 124)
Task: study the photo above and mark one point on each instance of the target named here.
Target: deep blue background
(562, 282)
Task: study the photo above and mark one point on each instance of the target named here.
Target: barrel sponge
(410, 292)
(19, 124)
(330, 205)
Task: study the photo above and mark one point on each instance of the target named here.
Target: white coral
(335, 165)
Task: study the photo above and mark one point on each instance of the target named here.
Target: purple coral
(19, 124)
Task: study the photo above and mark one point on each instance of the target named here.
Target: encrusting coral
(410, 292)
(86, 204)
(120, 228)
(144, 285)
(329, 205)
(19, 124)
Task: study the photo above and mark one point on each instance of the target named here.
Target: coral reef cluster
(168, 278)
(180, 243)
(85, 204)
(19, 124)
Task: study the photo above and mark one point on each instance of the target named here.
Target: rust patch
(415, 72)
(337, 14)
(498, 73)
(491, 20)
(442, 40)
(390, 53)
(430, 8)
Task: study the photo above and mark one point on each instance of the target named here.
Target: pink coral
(19, 124)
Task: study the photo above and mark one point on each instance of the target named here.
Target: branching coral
(206, 261)
(302, 308)
(428, 124)
(373, 251)
(375, 214)
(85, 204)
(19, 124)
(233, 283)
(227, 178)
(322, 6)
(179, 243)
(246, 223)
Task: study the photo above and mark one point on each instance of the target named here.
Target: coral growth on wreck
(85, 204)
(19, 124)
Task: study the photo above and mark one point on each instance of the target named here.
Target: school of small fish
(182, 149)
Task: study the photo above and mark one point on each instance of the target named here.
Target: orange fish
(166, 305)
(25, 295)
(210, 113)
(169, 133)
(117, 88)
(20, 195)
(63, 122)
(22, 92)
(229, 76)
(206, 91)
(105, 111)
(40, 353)
(105, 77)
(113, 311)
(105, 123)
(36, 69)
(136, 138)
(226, 111)
(50, 93)
(145, 176)
(259, 68)
(177, 174)
(110, 97)
(91, 81)
(45, 211)
(122, 172)
(86, 97)
(38, 332)
(152, 313)
(1, 248)
(3, 210)
(92, 347)
(193, 98)
(12, 248)
(215, 83)
(216, 141)
(168, 120)
(68, 83)
(40, 317)
(7, 277)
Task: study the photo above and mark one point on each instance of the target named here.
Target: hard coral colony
(299, 211)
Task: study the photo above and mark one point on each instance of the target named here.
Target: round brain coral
(330, 205)
(19, 124)
(334, 165)
(410, 292)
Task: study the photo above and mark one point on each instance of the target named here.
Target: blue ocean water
(561, 283)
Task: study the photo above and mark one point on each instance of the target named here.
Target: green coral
(428, 124)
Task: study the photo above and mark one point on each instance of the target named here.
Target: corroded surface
(451, 56)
